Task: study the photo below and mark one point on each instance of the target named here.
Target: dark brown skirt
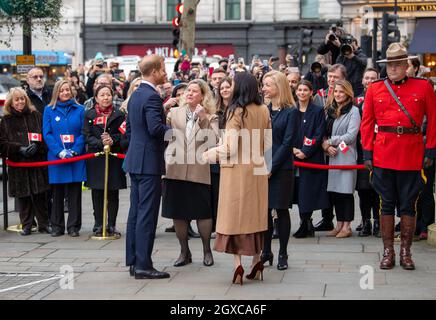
(244, 244)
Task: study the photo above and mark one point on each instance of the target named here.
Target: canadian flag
(67, 138)
(343, 147)
(100, 120)
(309, 142)
(122, 127)
(34, 136)
(359, 100)
(321, 92)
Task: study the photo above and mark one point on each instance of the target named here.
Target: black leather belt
(400, 130)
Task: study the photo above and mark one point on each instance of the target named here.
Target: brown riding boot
(408, 224)
(387, 233)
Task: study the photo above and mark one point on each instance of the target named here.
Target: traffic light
(176, 28)
(305, 45)
(389, 26)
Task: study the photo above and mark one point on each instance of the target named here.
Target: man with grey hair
(38, 94)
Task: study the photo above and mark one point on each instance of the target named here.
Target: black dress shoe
(366, 230)
(57, 233)
(98, 231)
(324, 225)
(132, 271)
(45, 230)
(112, 231)
(26, 232)
(170, 229)
(150, 274)
(267, 256)
(306, 229)
(208, 259)
(74, 234)
(282, 264)
(192, 233)
(360, 226)
(376, 229)
(183, 260)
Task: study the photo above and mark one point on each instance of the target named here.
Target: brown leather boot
(387, 232)
(408, 224)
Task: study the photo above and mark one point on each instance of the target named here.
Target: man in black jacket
(332, 44)
(355, 61)
(38, 94)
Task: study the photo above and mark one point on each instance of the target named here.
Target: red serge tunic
(398, 151)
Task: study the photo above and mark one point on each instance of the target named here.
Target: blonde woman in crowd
(133, 86)
(21, 141)
(186, 189)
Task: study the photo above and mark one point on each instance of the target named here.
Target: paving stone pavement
(319, 268)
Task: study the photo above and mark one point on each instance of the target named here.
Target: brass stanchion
(19, 228)
(431, 238)
(107, 150)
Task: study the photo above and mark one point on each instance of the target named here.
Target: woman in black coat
(281, 182)
(21, 141)
(105, 125)
(310, 184)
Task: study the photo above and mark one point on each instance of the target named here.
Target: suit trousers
(145, 195)
(32, 207)
(74, 193)
(112, 207)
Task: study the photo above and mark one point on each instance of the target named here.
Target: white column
(127, 11)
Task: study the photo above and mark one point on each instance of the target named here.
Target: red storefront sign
(166, 50)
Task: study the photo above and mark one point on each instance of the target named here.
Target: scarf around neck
(331, 115)
(103, 111)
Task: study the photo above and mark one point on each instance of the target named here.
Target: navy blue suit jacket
(284, 130)
(145, 129)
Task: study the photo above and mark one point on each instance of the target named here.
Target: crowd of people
(331, 115)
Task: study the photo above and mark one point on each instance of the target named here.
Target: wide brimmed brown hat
(396, 52)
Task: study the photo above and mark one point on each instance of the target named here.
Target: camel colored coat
(183, 155)
(243, 196)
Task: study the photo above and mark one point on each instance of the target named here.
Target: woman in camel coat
(243, 198)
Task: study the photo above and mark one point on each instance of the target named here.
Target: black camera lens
(346, 49)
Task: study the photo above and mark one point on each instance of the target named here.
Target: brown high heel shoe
(257, 272)
(239, 275)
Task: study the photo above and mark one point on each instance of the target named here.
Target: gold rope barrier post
(107, 150)
(19, 228)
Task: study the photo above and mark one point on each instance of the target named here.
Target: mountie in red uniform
(399, 150)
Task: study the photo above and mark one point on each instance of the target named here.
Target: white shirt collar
(150, 84)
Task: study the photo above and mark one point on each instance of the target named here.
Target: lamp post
(84, 30)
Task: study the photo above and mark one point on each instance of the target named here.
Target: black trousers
(112, 207)
(398, 189)
(369, 200)
(74, 193)
(32, 207)
(426, 203)
(344, 206)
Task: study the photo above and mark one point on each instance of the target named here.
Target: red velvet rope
(49, 163)
(326, 167)
(122, 156)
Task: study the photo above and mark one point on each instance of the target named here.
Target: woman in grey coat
(343, 123)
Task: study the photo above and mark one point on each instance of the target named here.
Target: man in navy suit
(145, 164)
